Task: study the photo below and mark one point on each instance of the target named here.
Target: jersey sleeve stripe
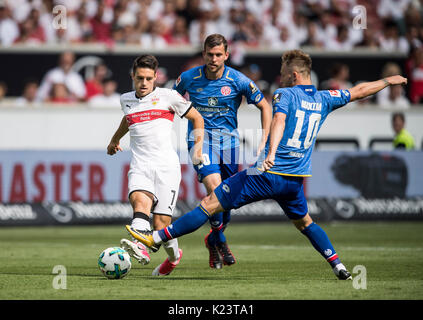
(189, 108)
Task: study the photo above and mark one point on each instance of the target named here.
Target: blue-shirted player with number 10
(216, 92)
(299, 110)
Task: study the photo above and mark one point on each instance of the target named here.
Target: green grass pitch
(274, 262)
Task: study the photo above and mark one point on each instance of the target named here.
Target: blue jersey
(218, 102)
(306, 109)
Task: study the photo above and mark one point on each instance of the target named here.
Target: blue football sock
(188, 223)
(216, 232)
(225, 221)
(226, 218)
(321, 243)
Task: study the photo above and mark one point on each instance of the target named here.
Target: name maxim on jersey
(312, 106)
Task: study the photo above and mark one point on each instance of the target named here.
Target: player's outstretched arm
(266, 120)
(277, 128)
(198, 129)
(366, 89)
(114, 146)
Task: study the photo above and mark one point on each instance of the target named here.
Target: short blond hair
(297, 59)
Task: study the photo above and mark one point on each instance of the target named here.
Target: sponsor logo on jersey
(257, 99)
(225, 90)
(148, 115)
(212, 101)
(296, 154)
(209, 111)
(253, 88)
(199, 89)
(335, 93)
(226, 188)
(128, 106)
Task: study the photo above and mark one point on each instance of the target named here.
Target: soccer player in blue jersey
(216, 91)
(299, 110)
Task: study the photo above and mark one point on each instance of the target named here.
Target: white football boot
(136, 250)
(341, 272)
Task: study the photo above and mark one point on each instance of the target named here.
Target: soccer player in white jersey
(155, 172)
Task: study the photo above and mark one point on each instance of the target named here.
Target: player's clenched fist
(394, 80)
(268, 162)
(198, 159)
(113, 147)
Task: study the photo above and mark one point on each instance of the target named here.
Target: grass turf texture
(274, 262)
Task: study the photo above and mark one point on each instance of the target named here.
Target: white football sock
(156, 237)
(140, 224)
(172, 249)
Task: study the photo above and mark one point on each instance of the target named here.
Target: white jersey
(150, 121)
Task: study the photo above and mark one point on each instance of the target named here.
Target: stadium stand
(396, 25)
(390, 27)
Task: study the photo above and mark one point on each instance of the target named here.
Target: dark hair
(145, 61)
(398, 115)
(214, 40)
(107, 79)
(299, 59)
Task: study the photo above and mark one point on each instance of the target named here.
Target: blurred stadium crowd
(392, 26)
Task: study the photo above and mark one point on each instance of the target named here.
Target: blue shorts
(224, 162)
(252, 185)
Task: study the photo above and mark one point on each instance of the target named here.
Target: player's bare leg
(322, 244)
(171, 247)
(211, 204)
(215, 241)
(141, 202)
(188, 223)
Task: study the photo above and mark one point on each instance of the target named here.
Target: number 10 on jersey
(313, 126)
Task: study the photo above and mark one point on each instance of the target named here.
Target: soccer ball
(114, 262)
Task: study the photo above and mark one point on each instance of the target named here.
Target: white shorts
(162, 182)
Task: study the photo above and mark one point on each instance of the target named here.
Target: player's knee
(211, 182)
(205, 203)
(141, 201)
(303, 223)
(211, 204)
